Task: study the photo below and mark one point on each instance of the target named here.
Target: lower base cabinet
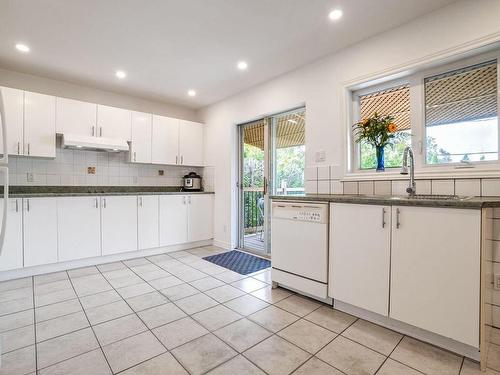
(435, 270)
(79, 228)
(12, 253)
(147, 221)
(118, 224)
(40, 231)
(173, 219)
(200, 217)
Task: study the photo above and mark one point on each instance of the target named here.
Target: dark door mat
(240, 262)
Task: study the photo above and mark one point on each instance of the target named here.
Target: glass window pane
(394, 101)
(461, 115)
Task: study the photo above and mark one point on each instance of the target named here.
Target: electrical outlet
(320, 156)
(91, 170)
(30, 177)
(161, 172)
(496, 284)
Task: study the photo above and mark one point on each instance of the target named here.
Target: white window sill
(425, 173)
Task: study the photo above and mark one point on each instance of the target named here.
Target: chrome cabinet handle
(398, 223)
(96, 203)
(135, 156)
(29, 148)
(104, 202)
(182, 159)
(93, 130)
(100, 131)
(176, 159)
(184, 200)
(28, 205)
(189, 199)
(383, 217)
(18, 147)
(140, 201)
(17, 205)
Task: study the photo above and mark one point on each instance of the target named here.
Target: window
(393, 101)
(461, 121)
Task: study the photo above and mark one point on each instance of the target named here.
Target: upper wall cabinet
(140, 149)
(190, 143)
(113, 123)
(177, 142)
(88, 119)
(76, 117)
(14, 115)
(31, 120)
(165, 140)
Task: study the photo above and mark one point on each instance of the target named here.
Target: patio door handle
(265, 186)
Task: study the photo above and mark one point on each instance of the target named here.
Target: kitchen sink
(433, 197)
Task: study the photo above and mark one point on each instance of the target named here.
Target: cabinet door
(114, 123)
(12, 254)
(165, 140)
(79, 227)
(148, 218)
(360, 240)
(200, 217)
(173, 219)
(191, 143)
(40, 231)
(14, 114)
(435, 270)
(76, 117)
(140, 151)
(39, 125)
(119, 224)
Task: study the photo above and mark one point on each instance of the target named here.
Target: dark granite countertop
(76, 191)
(437, 201)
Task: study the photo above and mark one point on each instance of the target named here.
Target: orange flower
(365, 121)
(392, 127)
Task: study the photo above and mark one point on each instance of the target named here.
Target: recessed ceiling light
(120, 74)
(22, 47)
(192, 93)
(335, 14)
(242, 65)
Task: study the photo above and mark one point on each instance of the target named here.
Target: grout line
(34, 325)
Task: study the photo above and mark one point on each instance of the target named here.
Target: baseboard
(223, 244)
(406, 329)
(55, 267)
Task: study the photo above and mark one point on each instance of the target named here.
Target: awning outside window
(290, 131)
(462, 95)
(394, 101)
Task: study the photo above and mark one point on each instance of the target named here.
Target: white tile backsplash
(311, 187)
(311, 173)
(443, 187)
(351, 187)
(469, 186)
(324, 187)
(324, 173)
(490, 187)
(112, 169)
(365, 187)
(382, 188)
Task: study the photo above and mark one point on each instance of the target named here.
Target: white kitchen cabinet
(140, 150)
(12, 254)
(79, 228)
(76, 117)
(113, 123)
(360, 253)
(165, 140)
(39, 125)
(14, 114)
(118, 224)
(190, 143)
(173, 219)
(148, 221)
(200, 217)
(40, 231)
(435, 270)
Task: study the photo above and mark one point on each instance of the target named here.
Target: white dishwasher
(299, 238)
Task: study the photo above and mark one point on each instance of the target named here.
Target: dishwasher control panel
(308, 212)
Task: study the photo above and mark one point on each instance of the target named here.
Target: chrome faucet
(411, 189)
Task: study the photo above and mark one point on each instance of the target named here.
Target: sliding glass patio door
(272, 162)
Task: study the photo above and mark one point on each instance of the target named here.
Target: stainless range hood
(79, 142)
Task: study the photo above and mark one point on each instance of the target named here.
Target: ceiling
(170, 46)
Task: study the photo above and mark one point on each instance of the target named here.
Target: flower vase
(380, 158)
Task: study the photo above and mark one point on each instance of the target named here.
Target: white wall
(69, 90)
(320, 87)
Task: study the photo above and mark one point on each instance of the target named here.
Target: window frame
(415, 80)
